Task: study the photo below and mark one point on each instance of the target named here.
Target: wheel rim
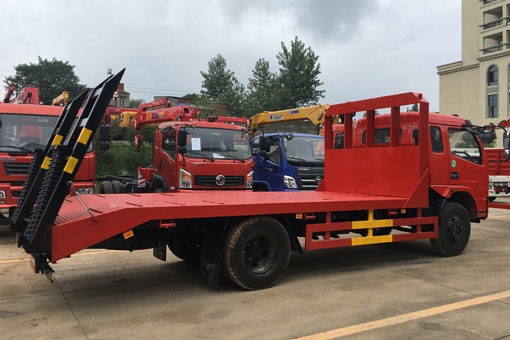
(259, 254)
(455, 230)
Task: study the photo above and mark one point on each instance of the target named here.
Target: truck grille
(210, 181)
(309, 178)
(16, 168)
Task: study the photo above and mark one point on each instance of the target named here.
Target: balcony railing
(493, 49)
(485, 2)
(494, 23)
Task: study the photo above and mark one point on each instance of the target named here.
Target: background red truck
(188, 153)
(390, 182)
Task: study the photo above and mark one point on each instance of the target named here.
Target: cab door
(166, 165)
(467, 163)
(268, 169)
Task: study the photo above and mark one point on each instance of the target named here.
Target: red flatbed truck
(384, 192)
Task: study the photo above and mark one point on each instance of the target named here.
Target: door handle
(454, 175)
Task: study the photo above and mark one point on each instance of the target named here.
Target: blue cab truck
(287, 161)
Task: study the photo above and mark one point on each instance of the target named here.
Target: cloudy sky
(366, 48)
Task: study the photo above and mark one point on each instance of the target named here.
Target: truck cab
(288, 162)
(201, 155)
(456, 155)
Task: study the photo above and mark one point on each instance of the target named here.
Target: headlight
(249, 180)
(185, 179)
(2, 194)
(85, 191)
(289, 182)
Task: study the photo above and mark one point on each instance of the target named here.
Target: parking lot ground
(388, 291)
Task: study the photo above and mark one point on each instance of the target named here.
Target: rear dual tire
(110, 187)
(256, 253)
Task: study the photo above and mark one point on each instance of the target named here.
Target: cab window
(464, 145)
(436, 140)
(255, 147)
(274, 150)
(169, 141)
(381, 136)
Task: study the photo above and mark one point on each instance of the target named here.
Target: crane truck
(374, 191)
(294, 158)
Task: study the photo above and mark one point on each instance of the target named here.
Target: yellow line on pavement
(498, 216)
(13, 261)
(80, 254)
(406, 317)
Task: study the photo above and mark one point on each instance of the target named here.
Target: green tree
(207, 106)
(134, 103)
(413, 108)
(52, 77)
(299, 72)
(262, 90)
(221, 85)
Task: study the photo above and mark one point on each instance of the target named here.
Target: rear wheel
(106, 187)
(454, 230)
(117, 187)
(256, 253)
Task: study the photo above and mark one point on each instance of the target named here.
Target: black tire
(256, 253)
(492, 199)
(117, 187)
(184, 244)
(106, 187)
(159, 190)
(454, 230)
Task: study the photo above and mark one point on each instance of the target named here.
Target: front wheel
(454, 230)
(256, 253)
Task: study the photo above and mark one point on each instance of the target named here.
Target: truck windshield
(214, 143)
(25, 133)
(304, 150)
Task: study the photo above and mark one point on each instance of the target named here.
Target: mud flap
(159, 252)
(211, 260)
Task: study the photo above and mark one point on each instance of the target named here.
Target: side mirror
(506, 145)
(103, 146)
(181, 149)
(289, 136)
(487, 137)
(104, 133)
(416, 136)
(104, 137)
(182, 137)
(263, 147)
(339, 141)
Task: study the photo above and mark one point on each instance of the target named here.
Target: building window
(492, 75)
(492, 106)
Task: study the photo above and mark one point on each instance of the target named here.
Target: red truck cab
(201, 155)
(456, 156)
(23, 128)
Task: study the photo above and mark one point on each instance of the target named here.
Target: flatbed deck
(114, 214)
